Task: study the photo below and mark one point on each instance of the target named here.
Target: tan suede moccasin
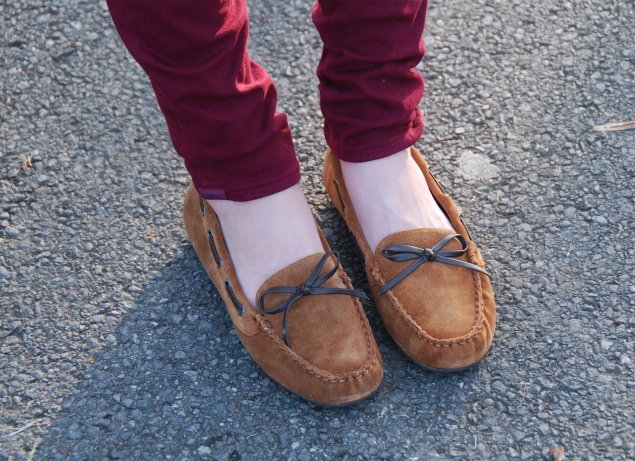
(309, 332)
(429, 285)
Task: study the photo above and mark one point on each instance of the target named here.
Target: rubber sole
(442, 370)
(341, 405)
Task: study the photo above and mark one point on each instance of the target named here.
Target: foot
(266, 235)
(390, 195)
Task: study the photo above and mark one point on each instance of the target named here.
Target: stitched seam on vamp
(478, 289)
(362, 318)
(412, 324)
(341, 378)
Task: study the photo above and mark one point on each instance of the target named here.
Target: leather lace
(398, 252)
(312, 286)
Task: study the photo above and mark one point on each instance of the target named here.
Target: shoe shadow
(177, 384)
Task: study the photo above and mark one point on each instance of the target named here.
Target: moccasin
(429, 285)
(309, 332)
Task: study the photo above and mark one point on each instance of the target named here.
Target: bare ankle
(390, 195)
(267, 234)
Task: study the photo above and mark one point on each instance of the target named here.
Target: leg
(220, 110)
(369, 93)
(425, 273)
(219, 105)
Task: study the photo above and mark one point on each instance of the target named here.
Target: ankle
(391, 194)
(266, 235)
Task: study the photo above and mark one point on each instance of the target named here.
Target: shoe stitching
(318, 373)
(474, 331)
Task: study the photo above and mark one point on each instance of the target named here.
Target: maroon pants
(220, 106)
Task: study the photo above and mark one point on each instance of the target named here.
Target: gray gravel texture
(115, 345)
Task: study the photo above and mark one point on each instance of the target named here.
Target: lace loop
(312, 286)
(400, 253)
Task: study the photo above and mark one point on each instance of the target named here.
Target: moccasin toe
(437, 313)
(442, 300)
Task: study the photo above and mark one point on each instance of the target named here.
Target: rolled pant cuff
(249, 192)
(363, 153)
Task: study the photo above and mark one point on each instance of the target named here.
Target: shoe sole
(339, 405)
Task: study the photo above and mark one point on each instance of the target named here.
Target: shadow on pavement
(175, 383)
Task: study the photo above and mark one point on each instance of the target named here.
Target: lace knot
(429, 254)
(401, 253)
(312, 286)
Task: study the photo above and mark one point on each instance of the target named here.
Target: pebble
(208, 391)
(518, 435)
(74, 432)
(477, 166)
(4, 273)
(569, 212)
(584, 204)
(397, 395)
(575, 324)
(11, 232)
(499, 387)
(23, 378)
(328, 232)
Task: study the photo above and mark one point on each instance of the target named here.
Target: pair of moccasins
(309, 332)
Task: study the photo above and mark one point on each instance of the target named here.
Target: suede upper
(447, 312)
(328, 331)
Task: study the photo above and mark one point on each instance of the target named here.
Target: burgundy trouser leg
(369, 89)
(219, 105)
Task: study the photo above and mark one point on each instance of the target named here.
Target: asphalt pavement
(115, 345)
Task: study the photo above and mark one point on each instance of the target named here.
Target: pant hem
(367, 154)
(253, 192)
